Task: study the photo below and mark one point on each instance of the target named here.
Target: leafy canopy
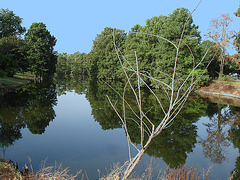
(10, 24)
(41, 55)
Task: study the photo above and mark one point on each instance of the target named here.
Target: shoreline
(220, 98)
(216, 90)
(223, 92)
(17, 83)
(225, 95)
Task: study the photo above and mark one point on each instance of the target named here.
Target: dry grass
(182, 173)
(57, 172)
(7, 171)
(51, 173)
(185, 173)
(179, 173)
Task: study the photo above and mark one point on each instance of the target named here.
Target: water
(71, 122)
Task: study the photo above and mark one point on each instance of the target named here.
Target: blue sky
(75, 23)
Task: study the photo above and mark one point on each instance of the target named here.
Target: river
(69, 121)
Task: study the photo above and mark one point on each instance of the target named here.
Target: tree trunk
(221, 68)
(133, 164)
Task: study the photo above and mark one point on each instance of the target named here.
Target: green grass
(230, 81)
(11, 81)
(24, 75)
(18, 79)
(227, 80)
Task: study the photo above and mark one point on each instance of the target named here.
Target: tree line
(24, 50)
(32, 50)
(155, 54)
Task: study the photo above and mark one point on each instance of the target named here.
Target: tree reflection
(218, 132)
(173, 144)
(101, 109)
(217, 139)
(38, 110)
(68, 83)
(234, 134)
(8, 135)
(30, 106)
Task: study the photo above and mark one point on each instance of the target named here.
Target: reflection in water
(175, 143)
(221, 131)
(32, 106)
(217, 137)
(8, 135)
(234, 136)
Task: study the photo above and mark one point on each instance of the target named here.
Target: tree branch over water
(177, 92)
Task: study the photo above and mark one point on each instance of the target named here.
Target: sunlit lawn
(16, 80)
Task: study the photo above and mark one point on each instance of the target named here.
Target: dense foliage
(41, 55)
(155, 54)
(72, 64)
(34, 54)
(10, 24)
(12, 55)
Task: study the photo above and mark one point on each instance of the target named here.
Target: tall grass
(180, 173)
(8, 171)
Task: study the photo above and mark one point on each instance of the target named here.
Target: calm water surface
(70, 121)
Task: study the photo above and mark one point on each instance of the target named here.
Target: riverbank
(9, 170)
(8, 84)
(222, 91)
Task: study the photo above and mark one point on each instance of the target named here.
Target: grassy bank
(24, 76)
(8, 83)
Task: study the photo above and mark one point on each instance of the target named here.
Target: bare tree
(175, 95)
(221, 35)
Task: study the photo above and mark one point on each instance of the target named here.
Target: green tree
(237, 13)
(80, 63)
(236, 57)
(140, 45)
(213, 68)
(41, 55)
(10, 24)
(13, 55)
(6, 65)
(72, 64)
(61, 67)
(103, 60)
(156, 55)
(189, 51)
